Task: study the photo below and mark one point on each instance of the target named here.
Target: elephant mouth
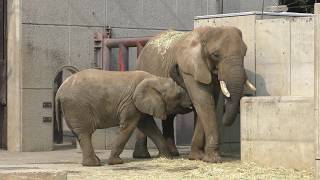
(182, 110)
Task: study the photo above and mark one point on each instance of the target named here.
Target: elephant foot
(114, 160)
(172, 147)
(196, 155)
(141, 151)
(91, 162)
(213, 157)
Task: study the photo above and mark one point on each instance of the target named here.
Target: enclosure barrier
(104, 45)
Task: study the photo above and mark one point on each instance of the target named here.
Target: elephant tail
(56, 102)
(57, 114)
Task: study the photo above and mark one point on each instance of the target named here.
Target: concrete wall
(269, 137)
(232, 6)
(285, 56)
(50, 34)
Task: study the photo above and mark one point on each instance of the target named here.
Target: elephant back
(157, 57)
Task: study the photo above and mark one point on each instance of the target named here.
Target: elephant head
(208, 54)
(160, 96)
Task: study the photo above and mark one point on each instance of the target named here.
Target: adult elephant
(208, 60)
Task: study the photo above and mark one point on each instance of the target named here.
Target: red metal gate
(104, 46)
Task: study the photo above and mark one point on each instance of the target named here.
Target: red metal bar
(123, 58)
(128, 42)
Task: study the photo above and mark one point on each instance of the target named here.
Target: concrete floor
(65, 164)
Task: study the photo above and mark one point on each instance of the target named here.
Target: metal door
(3, 75)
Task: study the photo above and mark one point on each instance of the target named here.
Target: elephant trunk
(232, 76)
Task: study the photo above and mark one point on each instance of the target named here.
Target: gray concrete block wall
(302, 57)
(45, 11)
(285, 67)
(273, 59)
(273, 136)
(55, 34)
(59, 32)
(231, 6)
(36, 134)
(87, 12)
(44, 49)
(81, 46)
(165, 14)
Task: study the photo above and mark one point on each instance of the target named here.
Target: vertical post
(106, 56)
(317, 83)
(123, 58)
(98, 49)
(14, 76)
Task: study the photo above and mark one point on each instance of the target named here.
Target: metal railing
(104, 45)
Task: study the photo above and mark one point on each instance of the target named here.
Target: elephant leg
(89, 158)
(198, 142)
(203, 101)
(149, 127)
(168, 134)
(122, 139)
(140, 148)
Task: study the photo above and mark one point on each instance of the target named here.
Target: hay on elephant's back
(165, 40)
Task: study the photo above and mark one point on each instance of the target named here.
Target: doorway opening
(62, 136)
(3, 74)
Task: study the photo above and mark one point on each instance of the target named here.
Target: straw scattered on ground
(161, 168)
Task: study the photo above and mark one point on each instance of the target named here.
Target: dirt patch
(17, 168)
(129, 168)
(181, 169)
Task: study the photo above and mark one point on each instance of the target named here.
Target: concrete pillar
(317, 83)
(14, 76)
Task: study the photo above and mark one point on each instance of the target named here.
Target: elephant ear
(191, 59)
(176, 76)
(148, 98)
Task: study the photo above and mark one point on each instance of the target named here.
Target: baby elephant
(96, 99)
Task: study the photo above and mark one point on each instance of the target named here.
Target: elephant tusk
(250, 85)
(224, 89)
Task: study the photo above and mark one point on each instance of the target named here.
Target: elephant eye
(215, 56)
(179, 94)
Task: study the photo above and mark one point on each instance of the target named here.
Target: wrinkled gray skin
(95, 99)
(203, 57)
